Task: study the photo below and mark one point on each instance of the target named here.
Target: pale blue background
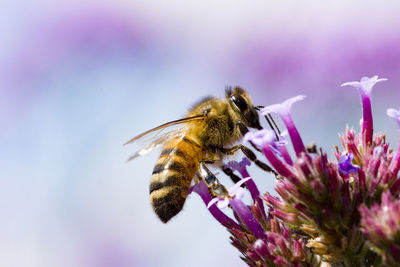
(78, 80)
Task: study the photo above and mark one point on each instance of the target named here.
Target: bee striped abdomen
(172, 176)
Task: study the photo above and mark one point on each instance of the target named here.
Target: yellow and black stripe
(172, 175)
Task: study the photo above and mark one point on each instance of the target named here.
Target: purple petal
(236, 191)
(213, 201)
(223, 203)
(284, 112)
(366, 84)
(260, 138)
(345, 164)
(239, 166)
(283, 138)
(202, 190)
(283, 108)
(247, 217)
(255, 193)
(394, 113)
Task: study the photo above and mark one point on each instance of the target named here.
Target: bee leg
(250, 155)
(215, 187)
(234, 177)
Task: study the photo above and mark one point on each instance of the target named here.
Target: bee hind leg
(215, 187)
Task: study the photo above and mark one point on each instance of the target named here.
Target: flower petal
(223, 203)
(283, 108)
(213, 201)
(235, 191)
(238, 166)
(366, 84)
(284, 112)
(345, 164)
(260, 138)
(394, 113)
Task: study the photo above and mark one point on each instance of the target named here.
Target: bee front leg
(215, 187)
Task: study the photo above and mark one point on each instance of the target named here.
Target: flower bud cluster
(381, 224)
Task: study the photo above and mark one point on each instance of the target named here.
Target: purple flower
(240, 166)
(261, 138)
(235, 195)
(319, 215)
(365, 88)
(283, 110)
(281, 147)
(255, 193)
(266, 140)
(235, 192)
(345, 164)
(281, 247)
(381, 223)
(202, 189)
(265, 137)
(366, 84)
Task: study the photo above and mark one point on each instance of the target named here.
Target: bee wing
(165, 125)
(158, 139)
(155, 142)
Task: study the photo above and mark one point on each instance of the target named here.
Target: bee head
(240, 103)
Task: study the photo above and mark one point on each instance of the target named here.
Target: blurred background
(79, 78)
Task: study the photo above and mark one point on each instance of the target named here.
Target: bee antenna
(272, 125)
(228, 90)
(258, 107)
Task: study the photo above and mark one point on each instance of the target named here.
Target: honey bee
(209, 127)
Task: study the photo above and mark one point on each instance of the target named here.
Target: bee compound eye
(239, 102)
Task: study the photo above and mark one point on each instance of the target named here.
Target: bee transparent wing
(155, 142)
(165, 125)
(159, 138)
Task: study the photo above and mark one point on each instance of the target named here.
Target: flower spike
(343, 211)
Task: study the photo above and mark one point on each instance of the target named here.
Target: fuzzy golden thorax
(223, 117)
